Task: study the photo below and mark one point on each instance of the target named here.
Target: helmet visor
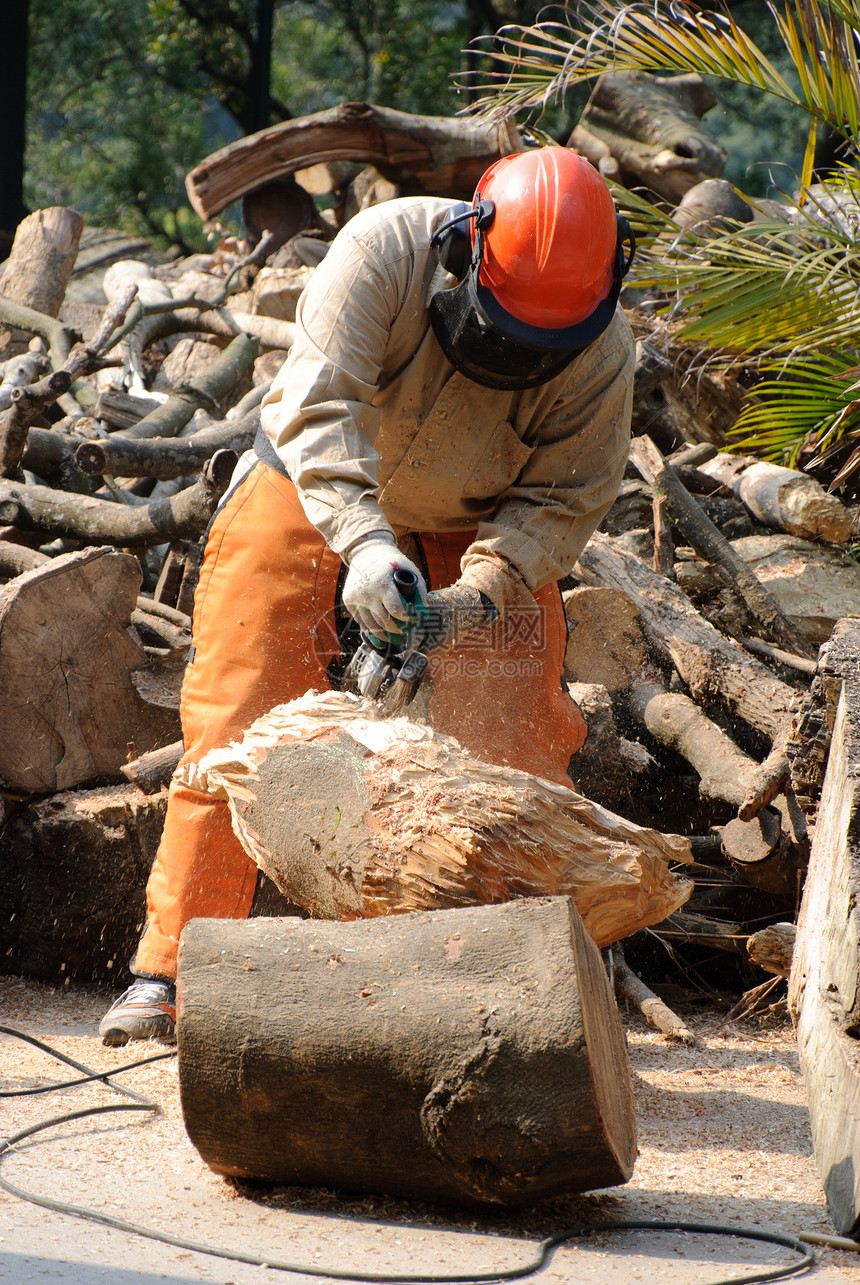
(482, 352)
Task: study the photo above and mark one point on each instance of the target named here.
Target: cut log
(39, 267)
(646, 131)
(353, 816)
(432, 155)
(73, 871)
(710, 664)
(608, 646)
(165, 457)
(824, 985)
(469, 1056)
(772, 948)
(785, 498)
(70, 707)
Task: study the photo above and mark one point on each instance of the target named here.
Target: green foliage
(126, 96)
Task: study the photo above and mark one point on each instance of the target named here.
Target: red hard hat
(550, 253)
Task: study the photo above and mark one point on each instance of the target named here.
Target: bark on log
(824, 986)
(352, 816)
(73, 871)
(66, 659)
(644, 130)
(704, 536)
(61, 513)
(123, 456)
(710, 664)
(39, 267)
(436, 155)
(521, 1093)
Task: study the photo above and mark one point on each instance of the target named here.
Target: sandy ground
(723, 1136)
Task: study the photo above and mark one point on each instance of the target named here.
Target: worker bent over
(456, 406)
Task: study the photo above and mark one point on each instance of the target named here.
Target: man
(456, 405)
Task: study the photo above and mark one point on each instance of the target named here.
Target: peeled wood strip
(353, 816)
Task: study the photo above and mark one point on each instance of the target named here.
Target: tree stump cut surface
(824, 987)
(469, 1056)
(66, 659)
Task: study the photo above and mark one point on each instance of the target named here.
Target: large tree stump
(471, 1055)
(824, 987)
(73, 871)
(354, 816)
(70, 705)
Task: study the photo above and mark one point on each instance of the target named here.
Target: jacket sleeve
(543, 522)
(319, 414)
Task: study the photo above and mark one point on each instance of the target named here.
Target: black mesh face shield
(479, 350)
(489, 345)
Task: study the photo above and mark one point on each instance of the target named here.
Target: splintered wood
(354, 816)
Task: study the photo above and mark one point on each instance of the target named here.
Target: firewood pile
(700, 613)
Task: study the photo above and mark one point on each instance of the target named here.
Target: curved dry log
(62, 513)
(441, 156)
(123, 456)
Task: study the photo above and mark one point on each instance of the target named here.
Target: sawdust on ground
(724, 1139)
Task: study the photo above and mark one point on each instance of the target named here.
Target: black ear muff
(625, 237)
(453, 241)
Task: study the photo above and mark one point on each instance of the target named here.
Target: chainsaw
(391, 670)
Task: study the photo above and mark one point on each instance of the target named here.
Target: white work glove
(370, 594)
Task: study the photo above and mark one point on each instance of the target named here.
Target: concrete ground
(723, 1137)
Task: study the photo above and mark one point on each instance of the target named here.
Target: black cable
(544, 1251)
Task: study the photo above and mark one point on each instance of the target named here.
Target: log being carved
(354, 816)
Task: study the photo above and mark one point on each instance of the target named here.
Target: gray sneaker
(145, 1011)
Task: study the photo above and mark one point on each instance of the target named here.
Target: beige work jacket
(378, 430)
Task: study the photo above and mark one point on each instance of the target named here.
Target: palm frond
(808, 408)
(532, 66)
(767, 287)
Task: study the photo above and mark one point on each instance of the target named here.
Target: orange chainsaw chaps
(264, 633)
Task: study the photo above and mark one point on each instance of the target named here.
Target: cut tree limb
(124, 456)
(436, 155)
(709, 541)
(62, 513)
(711, 664)
(486, 1060)
(656, 1013)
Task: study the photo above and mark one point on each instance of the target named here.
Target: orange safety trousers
(264, 633)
